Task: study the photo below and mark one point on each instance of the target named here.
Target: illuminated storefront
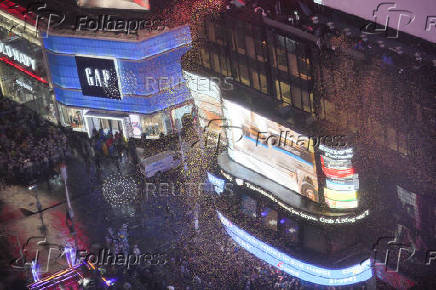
(23, 75)
(118, 84)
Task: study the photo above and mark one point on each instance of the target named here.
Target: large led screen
(98, 77)
(115, 4)
(341, 180)
(272, 150)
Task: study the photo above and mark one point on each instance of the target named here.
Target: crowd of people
(30, 148)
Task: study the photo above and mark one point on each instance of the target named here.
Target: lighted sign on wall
(341, 182)
(305, 271)
(17, 56)
(98, 77)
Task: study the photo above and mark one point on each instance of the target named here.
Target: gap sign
(98, 77)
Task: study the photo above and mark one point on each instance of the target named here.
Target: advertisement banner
(272, 150)
(98, 77)
(136, 125)
(336, 173)
(341, 204)
(341, 183)
(340, 195)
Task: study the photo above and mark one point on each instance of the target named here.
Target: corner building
(130, 84)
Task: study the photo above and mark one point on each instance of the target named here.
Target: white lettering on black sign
(98, 77)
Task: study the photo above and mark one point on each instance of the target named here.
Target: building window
(205, 59)
(211, 31)
(216, 62)
(296, 94)
(219, 33)
(72, 117)
(286, 92)
(240, 41)
(263, 83)
(281, 60)
(244, 74)
(152, 125)
(392, 138)
(250, 46)
(225, 63)
(402, 143)
(255, 78)
(306, 100)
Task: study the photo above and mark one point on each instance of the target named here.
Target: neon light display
(17, 55)
(336, 173)
(341, 183)
(20, 68)
(166, 41)
(305, 271)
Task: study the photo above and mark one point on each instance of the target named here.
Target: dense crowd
(30, 148)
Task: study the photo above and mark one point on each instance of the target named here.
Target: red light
(4, 59)
(18, 11)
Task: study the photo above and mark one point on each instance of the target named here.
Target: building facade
(22, 67)
(360, 108)
(132, 85)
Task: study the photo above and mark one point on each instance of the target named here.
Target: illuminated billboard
(115, 4)
(272, 150)
(296, 268)
(98, 77)
(341, 183)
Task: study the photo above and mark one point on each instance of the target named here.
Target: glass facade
(23, 76)
(262, 59)
(72, 117)
(154, 125)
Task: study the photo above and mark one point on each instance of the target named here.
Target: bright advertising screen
(305, 271)
(272, 150)
(341, 181)
(115, 4)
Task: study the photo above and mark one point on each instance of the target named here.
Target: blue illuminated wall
(140, 66)
(296, 268)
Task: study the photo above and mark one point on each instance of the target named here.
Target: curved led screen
(341, 181)
(305, 271)
(272, 150)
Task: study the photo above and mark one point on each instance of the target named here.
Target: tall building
(320, 123)
(120, 82)
(22, 68)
